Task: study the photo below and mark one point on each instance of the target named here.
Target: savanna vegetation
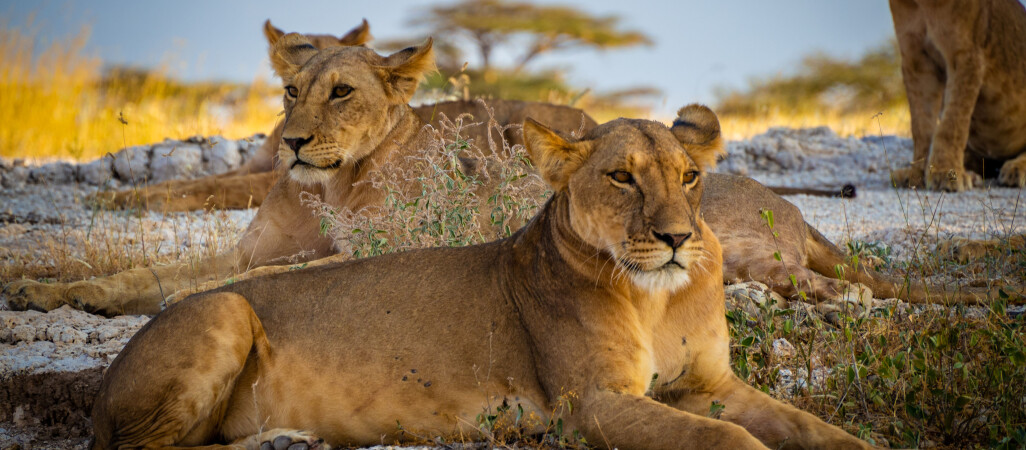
(948, 377)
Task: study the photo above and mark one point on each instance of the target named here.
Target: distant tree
(873, 82)
(491, 23)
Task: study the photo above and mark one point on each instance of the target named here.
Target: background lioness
(963, 63)
(247, 186)
(612, 291)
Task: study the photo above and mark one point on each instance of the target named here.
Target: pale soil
(50, 364)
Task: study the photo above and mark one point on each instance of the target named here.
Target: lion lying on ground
(368, 93)
(247, 186)
(963, 63)
(613, 291)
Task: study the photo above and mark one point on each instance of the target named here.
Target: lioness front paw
(953, 180)
(1013, 173)
(855, 298)
(128, 199)
(282, 439)
(962, 250)
(23, 295)
(909, 177)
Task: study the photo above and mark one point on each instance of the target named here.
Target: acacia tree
(490, 23)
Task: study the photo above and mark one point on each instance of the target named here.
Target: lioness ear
(555, 157)
(698, 130)
(357, 36)
(289, 53)
(404, 69)
(272, 33)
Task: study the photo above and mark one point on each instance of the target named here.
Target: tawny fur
(964, 67)
(427, 339)
(379, 129)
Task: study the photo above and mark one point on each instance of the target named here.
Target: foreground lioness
(613, 289)
(352, 117)
(963, 63)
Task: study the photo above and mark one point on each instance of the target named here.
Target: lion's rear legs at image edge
(185, 393)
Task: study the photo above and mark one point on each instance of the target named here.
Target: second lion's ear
(272, 33)
(289, 53)
(698, 130)
(357, 36)
(555, 158)
(403, 70)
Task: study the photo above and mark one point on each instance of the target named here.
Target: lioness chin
(615, 283)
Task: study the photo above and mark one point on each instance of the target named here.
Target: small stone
(16, 177)
(53, 173)
(782, 348)
(221, 155)
(23, 333)
(174, 160)
(132, 164)
(96, 172)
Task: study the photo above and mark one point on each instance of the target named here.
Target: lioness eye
(689, 177)
(621, 176)
(341, 91)
(292, 91)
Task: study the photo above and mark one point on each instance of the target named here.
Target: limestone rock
(221, 155)
(174, 160)
(132, 164)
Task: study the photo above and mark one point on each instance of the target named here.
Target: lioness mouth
(333, 165)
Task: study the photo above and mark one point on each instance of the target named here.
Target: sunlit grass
(57, 101)
(893, 121)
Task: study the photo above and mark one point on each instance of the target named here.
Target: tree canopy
(491, 23)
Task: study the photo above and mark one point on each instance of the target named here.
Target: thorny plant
(454, 193)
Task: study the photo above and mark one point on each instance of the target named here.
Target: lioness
(963, 63)
(351, 116)
(612, 291)
(247, 186)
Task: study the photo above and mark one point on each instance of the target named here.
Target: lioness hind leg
(830, 296)
(172, 383)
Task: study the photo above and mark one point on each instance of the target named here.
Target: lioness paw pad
(1013, 173)
(290, 440)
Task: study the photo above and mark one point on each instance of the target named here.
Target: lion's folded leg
(136, 291)
(774, 423)
(151, 397)
(612, 419)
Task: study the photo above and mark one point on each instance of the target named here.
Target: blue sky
(699, 45)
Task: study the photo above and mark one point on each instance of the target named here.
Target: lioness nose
(673, 240)
(297, 143)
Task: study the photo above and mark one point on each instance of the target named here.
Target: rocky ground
(51, 364)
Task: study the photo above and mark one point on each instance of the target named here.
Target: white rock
(782, 348)
(221, 155)
(174, 159)
(56, 173)
(23, 333)
(96, 172)
(16, 177)
(132, 164)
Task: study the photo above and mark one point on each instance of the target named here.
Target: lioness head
(357, 36)
(340, 102)
(634, 188)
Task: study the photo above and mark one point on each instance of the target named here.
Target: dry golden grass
(894, 121)
(57, 102)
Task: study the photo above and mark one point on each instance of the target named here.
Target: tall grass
(57, 101)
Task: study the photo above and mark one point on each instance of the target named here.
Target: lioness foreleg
(925, 89)
(136, 291)
(622, 420)
(776, 424)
